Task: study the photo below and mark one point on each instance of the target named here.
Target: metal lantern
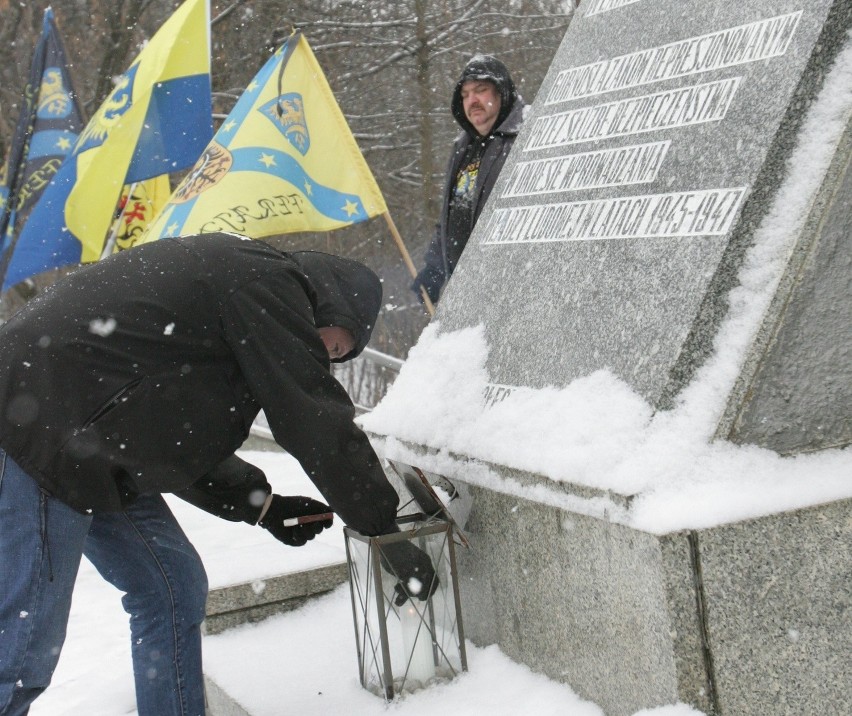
(402, 648)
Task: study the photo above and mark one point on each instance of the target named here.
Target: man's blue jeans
(142, 551)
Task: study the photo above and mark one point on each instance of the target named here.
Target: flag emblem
(212, 166)
(109, 112)
(54, 99)
(287, 113)
(138, 206)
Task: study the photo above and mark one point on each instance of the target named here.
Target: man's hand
(431, 279)
(413, 568)
(282, 509)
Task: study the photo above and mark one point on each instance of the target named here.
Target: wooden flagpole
(408, 262)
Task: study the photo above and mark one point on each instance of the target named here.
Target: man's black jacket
(142, 373)
(437, 270)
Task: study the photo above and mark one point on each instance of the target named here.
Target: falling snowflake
(102, 326)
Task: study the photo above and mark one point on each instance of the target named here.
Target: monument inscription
(636, 164)
(668, 139)
(698, 213)
(696, 104)
(648, 158)
(751, 42)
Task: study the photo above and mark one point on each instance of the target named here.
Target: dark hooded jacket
(506, 127)
(143, 373)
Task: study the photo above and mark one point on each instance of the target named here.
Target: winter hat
(489, 68)
(348, 294)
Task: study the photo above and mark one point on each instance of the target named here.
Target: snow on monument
(640, 374)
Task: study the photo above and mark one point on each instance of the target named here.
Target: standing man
(490, 112)
(142, 374)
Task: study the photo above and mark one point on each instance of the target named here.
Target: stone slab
(650, 158)
(748, 619)
(575, 598)
(247, 603)
(650, 155)
(778, 594)
(260, 438)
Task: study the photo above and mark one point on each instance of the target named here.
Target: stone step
(220, 703)
(231, 606)
(251, 602)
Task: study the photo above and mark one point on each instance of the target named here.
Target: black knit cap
(348, 294)
(489, 68)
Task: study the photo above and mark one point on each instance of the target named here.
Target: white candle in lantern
(417, 643)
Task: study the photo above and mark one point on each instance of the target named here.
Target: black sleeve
(269, 326)
(234, 490)
(434, 256)
(431, 276)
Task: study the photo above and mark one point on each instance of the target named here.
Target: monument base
(750, 618)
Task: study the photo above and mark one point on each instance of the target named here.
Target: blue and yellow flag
(47, 129)
(138, 206)
(156, 120)
(284, 160)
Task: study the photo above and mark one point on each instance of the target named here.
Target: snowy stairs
(238, 604)
(231, 606)
(228, 607)
(219, 703)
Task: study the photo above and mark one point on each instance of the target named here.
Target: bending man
(142, 374)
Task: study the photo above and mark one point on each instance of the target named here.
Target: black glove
(413, 568)
(430, 278)
(287, 508)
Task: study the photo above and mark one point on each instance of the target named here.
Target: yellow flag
(175, 61)
(283, 161)
(138, 206)
(156, 120)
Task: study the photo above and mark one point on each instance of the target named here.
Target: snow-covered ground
(303, 662)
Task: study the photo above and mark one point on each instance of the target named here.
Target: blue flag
(47, 129)
(283, 161)
(157, 120)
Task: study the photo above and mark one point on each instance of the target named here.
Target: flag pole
(408, 262)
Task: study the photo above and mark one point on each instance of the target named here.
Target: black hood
(348, 294)
(485, 67)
